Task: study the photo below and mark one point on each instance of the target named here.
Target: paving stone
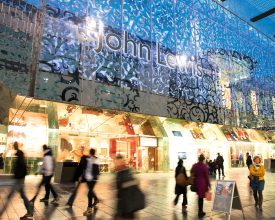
(159, 190)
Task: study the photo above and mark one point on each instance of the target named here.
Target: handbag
(181, 180)
(208, 196)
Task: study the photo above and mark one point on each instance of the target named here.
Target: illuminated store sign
(140, 50)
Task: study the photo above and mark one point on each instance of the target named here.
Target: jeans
(18, 187)
(91, 193)
(46, 180)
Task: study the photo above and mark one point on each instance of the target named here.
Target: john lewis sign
(115, 42)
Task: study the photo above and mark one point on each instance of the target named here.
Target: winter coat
(1, 163)
(219, 161)
(81, 167)
(201, 178)
(88, 169)
(92, 162)
(259, 173)
(20, 167)
(180, 189)
(248, 161)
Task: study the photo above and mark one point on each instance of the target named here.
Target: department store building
(153, 80)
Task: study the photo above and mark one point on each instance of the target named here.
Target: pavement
(159, 190)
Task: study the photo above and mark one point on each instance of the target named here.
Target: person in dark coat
(1, 161)
(219, 162)
(125, 201)
(248, 160)
(20, 171)
(181, 189)
(201, 182)
(78, 177)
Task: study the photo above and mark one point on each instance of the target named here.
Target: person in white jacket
(47, 170)
(90, 175)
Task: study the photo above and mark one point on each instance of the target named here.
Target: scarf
(256, 166)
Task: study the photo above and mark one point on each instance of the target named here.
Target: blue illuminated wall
(188, 59)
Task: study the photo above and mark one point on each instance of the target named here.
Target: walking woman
(257, 173)
(181, 189)
(201, 182)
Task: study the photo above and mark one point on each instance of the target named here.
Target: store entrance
(152, 159)
(238, 153)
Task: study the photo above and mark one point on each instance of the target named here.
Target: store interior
(148, 143)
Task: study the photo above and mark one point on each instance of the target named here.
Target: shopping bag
(208, 196)
(132, 199)
(181, 180)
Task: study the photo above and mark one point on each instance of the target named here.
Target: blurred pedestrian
(248, 160)
(129, 197)
(181, 189)
(220, 166)
(19, 171)
(201, 183)
(241, 160)
(248, 163)
(257, 172)
(78, 177)
(47, 171)
(90, 176)
(1, 162)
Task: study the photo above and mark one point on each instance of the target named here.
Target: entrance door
(152, 159)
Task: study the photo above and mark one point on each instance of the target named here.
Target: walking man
(90, 175)
(47, 171)
(219, 162)
(20, 171)
(78, 178)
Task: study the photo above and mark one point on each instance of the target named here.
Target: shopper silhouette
(1, 162)
(89, 174)
(257, 172)
(78, 178)
(248, 160)
(180, 169)
(20, 171)
(129, 196)
(47, 172)
(219, 162)
(201, 183)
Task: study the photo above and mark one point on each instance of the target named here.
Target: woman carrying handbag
(181, 184)
(257, 172)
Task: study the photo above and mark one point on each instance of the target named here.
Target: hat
(254, 158)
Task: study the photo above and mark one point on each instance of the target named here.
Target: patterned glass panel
(164, 48)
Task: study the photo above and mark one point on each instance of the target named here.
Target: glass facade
(186, 59)
(148, 143)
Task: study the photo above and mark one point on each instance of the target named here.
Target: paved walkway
(159, 188)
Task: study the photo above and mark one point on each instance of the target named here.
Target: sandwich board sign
(226, 198)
